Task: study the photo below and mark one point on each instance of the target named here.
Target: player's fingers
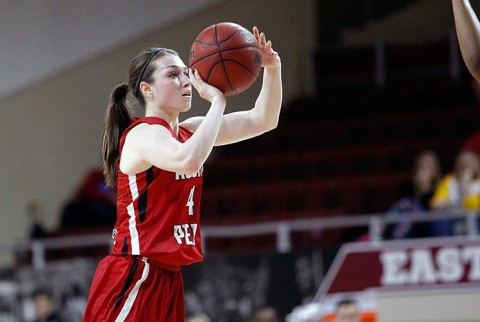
(268, 46)
(255, 33)
(195, 78)
(262, 39)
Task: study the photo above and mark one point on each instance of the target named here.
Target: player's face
(171, 87)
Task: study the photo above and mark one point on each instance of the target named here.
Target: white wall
(51, 131)
(40, 38)
(442, 306)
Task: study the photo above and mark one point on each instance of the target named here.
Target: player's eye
(187, 74)
(173, 74)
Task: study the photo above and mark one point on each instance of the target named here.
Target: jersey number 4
(186, 233)
(190, 201)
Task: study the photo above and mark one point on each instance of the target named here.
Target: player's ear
(146, 89)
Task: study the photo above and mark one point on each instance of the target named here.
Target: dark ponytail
(117, 119)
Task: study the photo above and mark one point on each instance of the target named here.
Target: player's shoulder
(144, 133)
(146, 128)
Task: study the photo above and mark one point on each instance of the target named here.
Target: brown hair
(469, 157)
(124, 97)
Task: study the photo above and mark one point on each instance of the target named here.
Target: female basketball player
(157, 166)
(468, 33)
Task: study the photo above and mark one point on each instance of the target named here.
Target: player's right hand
(205, 90)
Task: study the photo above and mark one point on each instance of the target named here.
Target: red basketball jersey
(158, 211)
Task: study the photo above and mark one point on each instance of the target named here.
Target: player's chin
(186, 106)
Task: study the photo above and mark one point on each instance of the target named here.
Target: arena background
(60, 65)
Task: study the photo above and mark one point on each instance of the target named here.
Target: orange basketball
(226, 56)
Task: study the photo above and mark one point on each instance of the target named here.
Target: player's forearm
(468, 32)
(200, 145)
(269, 101)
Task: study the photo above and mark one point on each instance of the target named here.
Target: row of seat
(348, 149)
(323, 163)
(350, 165)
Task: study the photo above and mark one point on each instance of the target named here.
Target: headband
(140, 76)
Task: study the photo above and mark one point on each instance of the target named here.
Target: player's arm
(468, 32)
(147, 145)
(263, 117)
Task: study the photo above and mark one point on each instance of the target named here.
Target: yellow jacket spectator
(461, 188)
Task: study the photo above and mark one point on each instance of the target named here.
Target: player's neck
(170, 118)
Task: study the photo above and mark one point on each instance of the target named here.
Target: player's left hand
(270, 57)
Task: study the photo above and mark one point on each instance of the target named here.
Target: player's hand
(270, 57)
(205, 90)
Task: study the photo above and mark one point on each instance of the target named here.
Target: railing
(281, 229)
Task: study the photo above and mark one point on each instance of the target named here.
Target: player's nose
(185, 80)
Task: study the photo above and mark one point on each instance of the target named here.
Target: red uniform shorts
(130, 289)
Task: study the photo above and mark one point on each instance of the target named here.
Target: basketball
(227, 56)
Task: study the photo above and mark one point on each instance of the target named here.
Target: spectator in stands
(265, 314)
(73, 302)
(197, 317)
(459, 189)
(347, 311)
(44, 307)
(93, 204)
(416, 194)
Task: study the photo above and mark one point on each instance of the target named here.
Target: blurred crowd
(430, 191)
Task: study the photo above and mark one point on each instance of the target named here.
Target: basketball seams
(241, 65)
(227, 77)
(212, 69)
(206, 44)
(192, 64)
(218, 52)
(226, 38)
(213, 66)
